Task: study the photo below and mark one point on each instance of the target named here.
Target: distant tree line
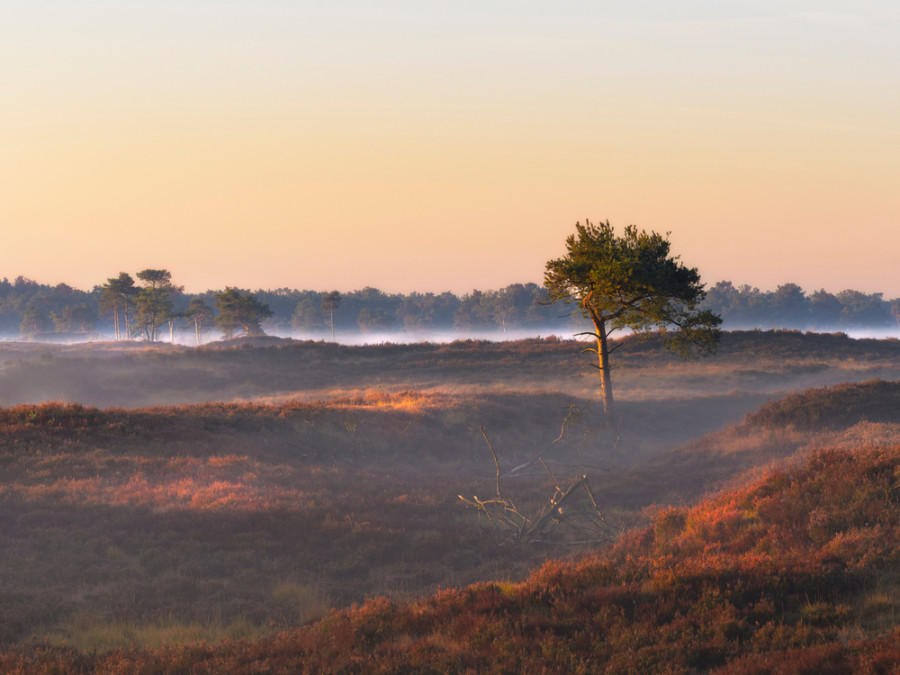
(789, 306)
(149, 306)
(518, 306)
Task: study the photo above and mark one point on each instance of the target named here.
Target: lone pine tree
(631, 282)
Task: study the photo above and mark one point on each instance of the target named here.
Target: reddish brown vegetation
(253, 515)
(775, 577)
(833, 408)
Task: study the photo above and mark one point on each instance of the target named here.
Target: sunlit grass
(196, 486)
(407, 401)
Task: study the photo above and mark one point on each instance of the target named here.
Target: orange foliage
(762, 579)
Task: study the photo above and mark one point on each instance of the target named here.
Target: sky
(446, 146)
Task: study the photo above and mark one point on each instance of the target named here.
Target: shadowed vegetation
(846, 416)
(835, 408)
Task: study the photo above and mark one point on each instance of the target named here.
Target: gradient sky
(312, 144)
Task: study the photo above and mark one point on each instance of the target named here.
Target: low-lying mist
(270, 368)
(350, 338)
(407, 336)
(437, 337)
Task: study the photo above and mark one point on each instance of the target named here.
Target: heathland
(158, 497)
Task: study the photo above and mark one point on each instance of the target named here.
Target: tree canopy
(117, 294)
(154, 302)
(155, 278)
(631, 282)
(240, 312)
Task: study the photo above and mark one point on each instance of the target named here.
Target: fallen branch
(503, 514)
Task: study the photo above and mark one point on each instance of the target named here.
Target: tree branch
(496, 462)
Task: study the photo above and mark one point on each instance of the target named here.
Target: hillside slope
(847, 416)
(172, 524)
(793, 572)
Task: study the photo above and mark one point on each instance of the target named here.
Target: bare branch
(503, 515)
(556, 482)
(494, 455)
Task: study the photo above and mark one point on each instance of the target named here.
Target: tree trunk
(602, 356)
(603, 365)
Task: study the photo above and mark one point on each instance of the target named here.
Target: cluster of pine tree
(151, 307)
